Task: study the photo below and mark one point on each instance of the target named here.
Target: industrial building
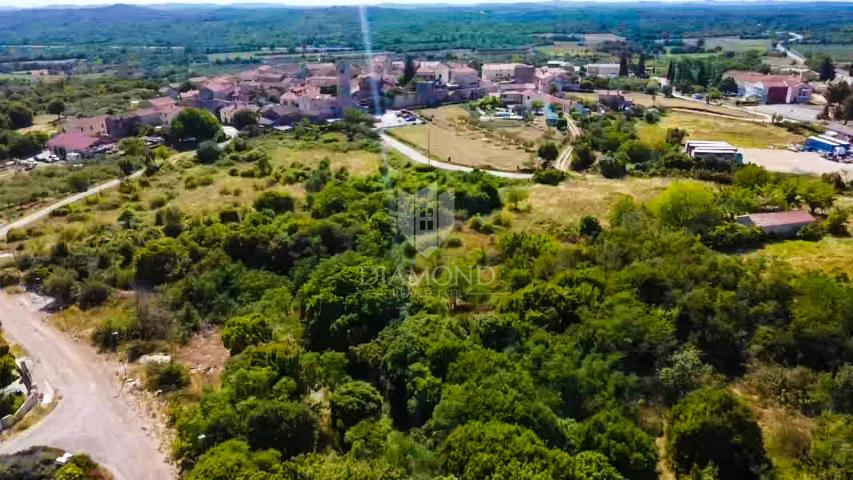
(713, 151)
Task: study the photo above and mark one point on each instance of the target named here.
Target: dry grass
(80, 323)
(739, 133)
(588, 195)
(42, 123)
(470, 148)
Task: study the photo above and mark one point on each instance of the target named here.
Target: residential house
(605, 70)
(274, 115)
(771, 89)
(91, 126)
(74, 142)
(783, 224)
(498, 72)
(464, 77)
(433, 72)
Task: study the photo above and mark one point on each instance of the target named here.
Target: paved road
(416, 156)
(91, 417)
(39, 214)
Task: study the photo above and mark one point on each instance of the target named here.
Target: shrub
(589, 226)
(732, 236)
(611, 167)
(453, 242)
(9, 277)
(93, 293)
(549, 176)
(836, 222)
(582, 157)
(278, 202)
(243, 331)
(208, 152)
(61, 285)
(811, 232)
(16, 235)
(79, 182)
(712, 426)
(168, 376)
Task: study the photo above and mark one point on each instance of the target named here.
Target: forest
(591, 343)
(403, 29)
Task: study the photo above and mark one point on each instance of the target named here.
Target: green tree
(78, 181)
(690, 205)
(353, 402)
(244, 118)
(827, 70)
(196, 125)
(208, 152)
(289, 427)
(582, 157)
(245, 330)
(713, 426)
(629, 449)
(56, 107)
(548, 152)
(20, 115)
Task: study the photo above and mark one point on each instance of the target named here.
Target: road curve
(91, 417)
(39, 214)
(416, 156)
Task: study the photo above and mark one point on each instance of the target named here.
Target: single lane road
(92, 416)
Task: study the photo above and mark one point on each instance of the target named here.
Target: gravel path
(93, 416)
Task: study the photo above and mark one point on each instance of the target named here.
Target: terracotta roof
(73, 141)
(778, 219)
(767, 80)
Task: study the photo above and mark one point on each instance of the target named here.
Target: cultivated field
(737, 44)
(739, 133)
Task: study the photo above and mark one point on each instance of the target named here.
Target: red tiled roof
(73, 141)
(778, 219)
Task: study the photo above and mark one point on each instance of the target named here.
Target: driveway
(93, 415)
(416, 156)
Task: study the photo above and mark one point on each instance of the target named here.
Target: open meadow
(740, 133)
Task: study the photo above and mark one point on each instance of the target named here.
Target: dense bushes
(166, 376)
(549, 176)
(713, 427)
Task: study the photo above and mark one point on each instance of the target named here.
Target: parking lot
(397, 118)
(778, 160)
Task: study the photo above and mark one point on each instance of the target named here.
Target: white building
(606, 70)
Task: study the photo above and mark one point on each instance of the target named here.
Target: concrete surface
(778, 160)
(93, 415)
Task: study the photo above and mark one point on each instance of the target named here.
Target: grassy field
(586, 195)
(197, 189)
(707, 127)
(838, 52)
(831, 255)
(737, 44)
(42, 123)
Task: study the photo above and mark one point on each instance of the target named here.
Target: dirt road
(92, 416)
(39, 214)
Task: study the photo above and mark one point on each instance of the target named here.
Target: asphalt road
(39, 214)
(92, 416)
(416, 156)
